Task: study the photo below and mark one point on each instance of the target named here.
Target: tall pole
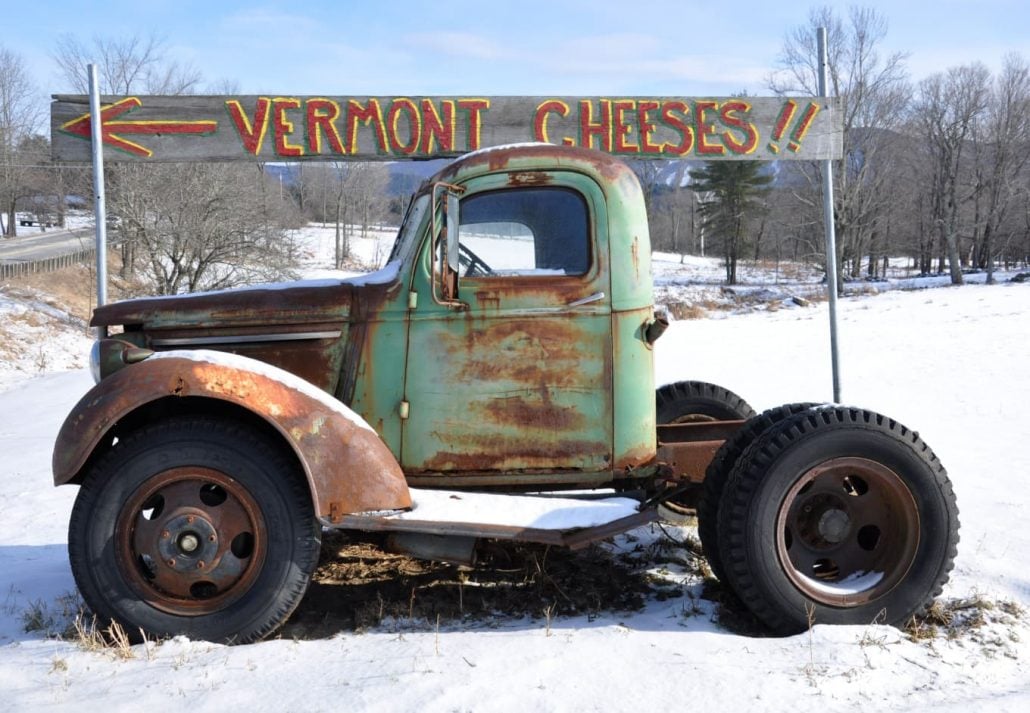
(99, 202)
(831, 235)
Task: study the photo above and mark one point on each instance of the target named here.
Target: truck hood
(301, 302)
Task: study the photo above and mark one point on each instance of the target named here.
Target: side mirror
(444, 252)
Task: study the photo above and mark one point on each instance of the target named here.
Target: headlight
(109, 355)
(94, 362)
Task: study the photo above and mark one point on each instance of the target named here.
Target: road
(54, 243)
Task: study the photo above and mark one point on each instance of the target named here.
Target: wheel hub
(834, 525)
(848, 531)
(190, 541)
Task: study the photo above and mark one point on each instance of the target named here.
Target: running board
(563, 522)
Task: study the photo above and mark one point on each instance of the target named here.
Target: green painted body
(532, 378)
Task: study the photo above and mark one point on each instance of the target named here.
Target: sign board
(307, 128)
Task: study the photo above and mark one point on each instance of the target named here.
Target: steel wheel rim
(190, 541)
(847, 531)
(692, 418)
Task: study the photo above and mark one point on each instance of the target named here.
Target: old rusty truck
(493, 381)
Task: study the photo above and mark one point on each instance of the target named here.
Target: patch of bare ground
(698, 309)
(360, 585)
(73, 289)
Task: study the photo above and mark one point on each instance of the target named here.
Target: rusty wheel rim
(692, 418)
(190, 541)
(847, 532)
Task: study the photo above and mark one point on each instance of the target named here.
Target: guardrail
(20, 268)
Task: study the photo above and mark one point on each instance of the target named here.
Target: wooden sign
(284, 128)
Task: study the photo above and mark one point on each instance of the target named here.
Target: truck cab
(523, 363)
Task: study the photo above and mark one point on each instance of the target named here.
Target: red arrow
(83, 125)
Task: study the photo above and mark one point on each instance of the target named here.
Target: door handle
(597, 296)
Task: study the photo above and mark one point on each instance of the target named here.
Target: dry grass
(963, 618)
(73, 289)
(359, 585)
(696, 310)
(68, 620)
(113, 639)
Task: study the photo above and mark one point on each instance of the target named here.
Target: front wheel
(837, 515)
(194, 526)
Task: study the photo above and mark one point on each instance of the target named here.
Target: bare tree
(873, 92)
(207, 226)
(358, 195)
(19, 118)
(1000, 142)
(946, 110)
(126, 65)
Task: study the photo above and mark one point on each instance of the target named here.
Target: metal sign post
(831, 235)
(99, 201)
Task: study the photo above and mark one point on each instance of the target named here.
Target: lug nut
(165, 535)
(200, 565)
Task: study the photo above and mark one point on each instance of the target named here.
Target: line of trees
(936, 171)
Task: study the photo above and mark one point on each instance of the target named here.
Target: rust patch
(545, 156)
(507, 351)
(689, 460)
(528, 178)
(488, 300)
(635, 254)
(635, 458)
(496, 453)
(517, 411)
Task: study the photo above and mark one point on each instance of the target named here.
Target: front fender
(348, 467)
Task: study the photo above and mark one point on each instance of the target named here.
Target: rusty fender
(348, 468)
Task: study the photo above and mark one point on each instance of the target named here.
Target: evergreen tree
(732, 193)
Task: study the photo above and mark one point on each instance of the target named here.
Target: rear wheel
(194, 526)
(693, 402)
(718, 473)
(840, 516)
(689, 401)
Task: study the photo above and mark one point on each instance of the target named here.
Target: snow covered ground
(949, 362)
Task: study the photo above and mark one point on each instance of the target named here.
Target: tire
(837, 516)
(718, 472)
(692, 402)
(686, 401)
(194, 526)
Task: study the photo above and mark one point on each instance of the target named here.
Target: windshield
(408, 234)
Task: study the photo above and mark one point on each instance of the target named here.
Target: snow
(852, 584)
(951, 362)
(545, 513)
(37, 338)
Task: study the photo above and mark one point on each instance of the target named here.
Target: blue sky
(583, 47)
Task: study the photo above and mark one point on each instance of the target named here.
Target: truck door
(520, 378)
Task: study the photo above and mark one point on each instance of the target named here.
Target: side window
(525, 231)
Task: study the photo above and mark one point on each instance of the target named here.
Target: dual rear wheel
(825, 514)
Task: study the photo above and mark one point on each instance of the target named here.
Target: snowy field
(949, 362)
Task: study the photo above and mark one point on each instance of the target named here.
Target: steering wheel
(472, 263)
